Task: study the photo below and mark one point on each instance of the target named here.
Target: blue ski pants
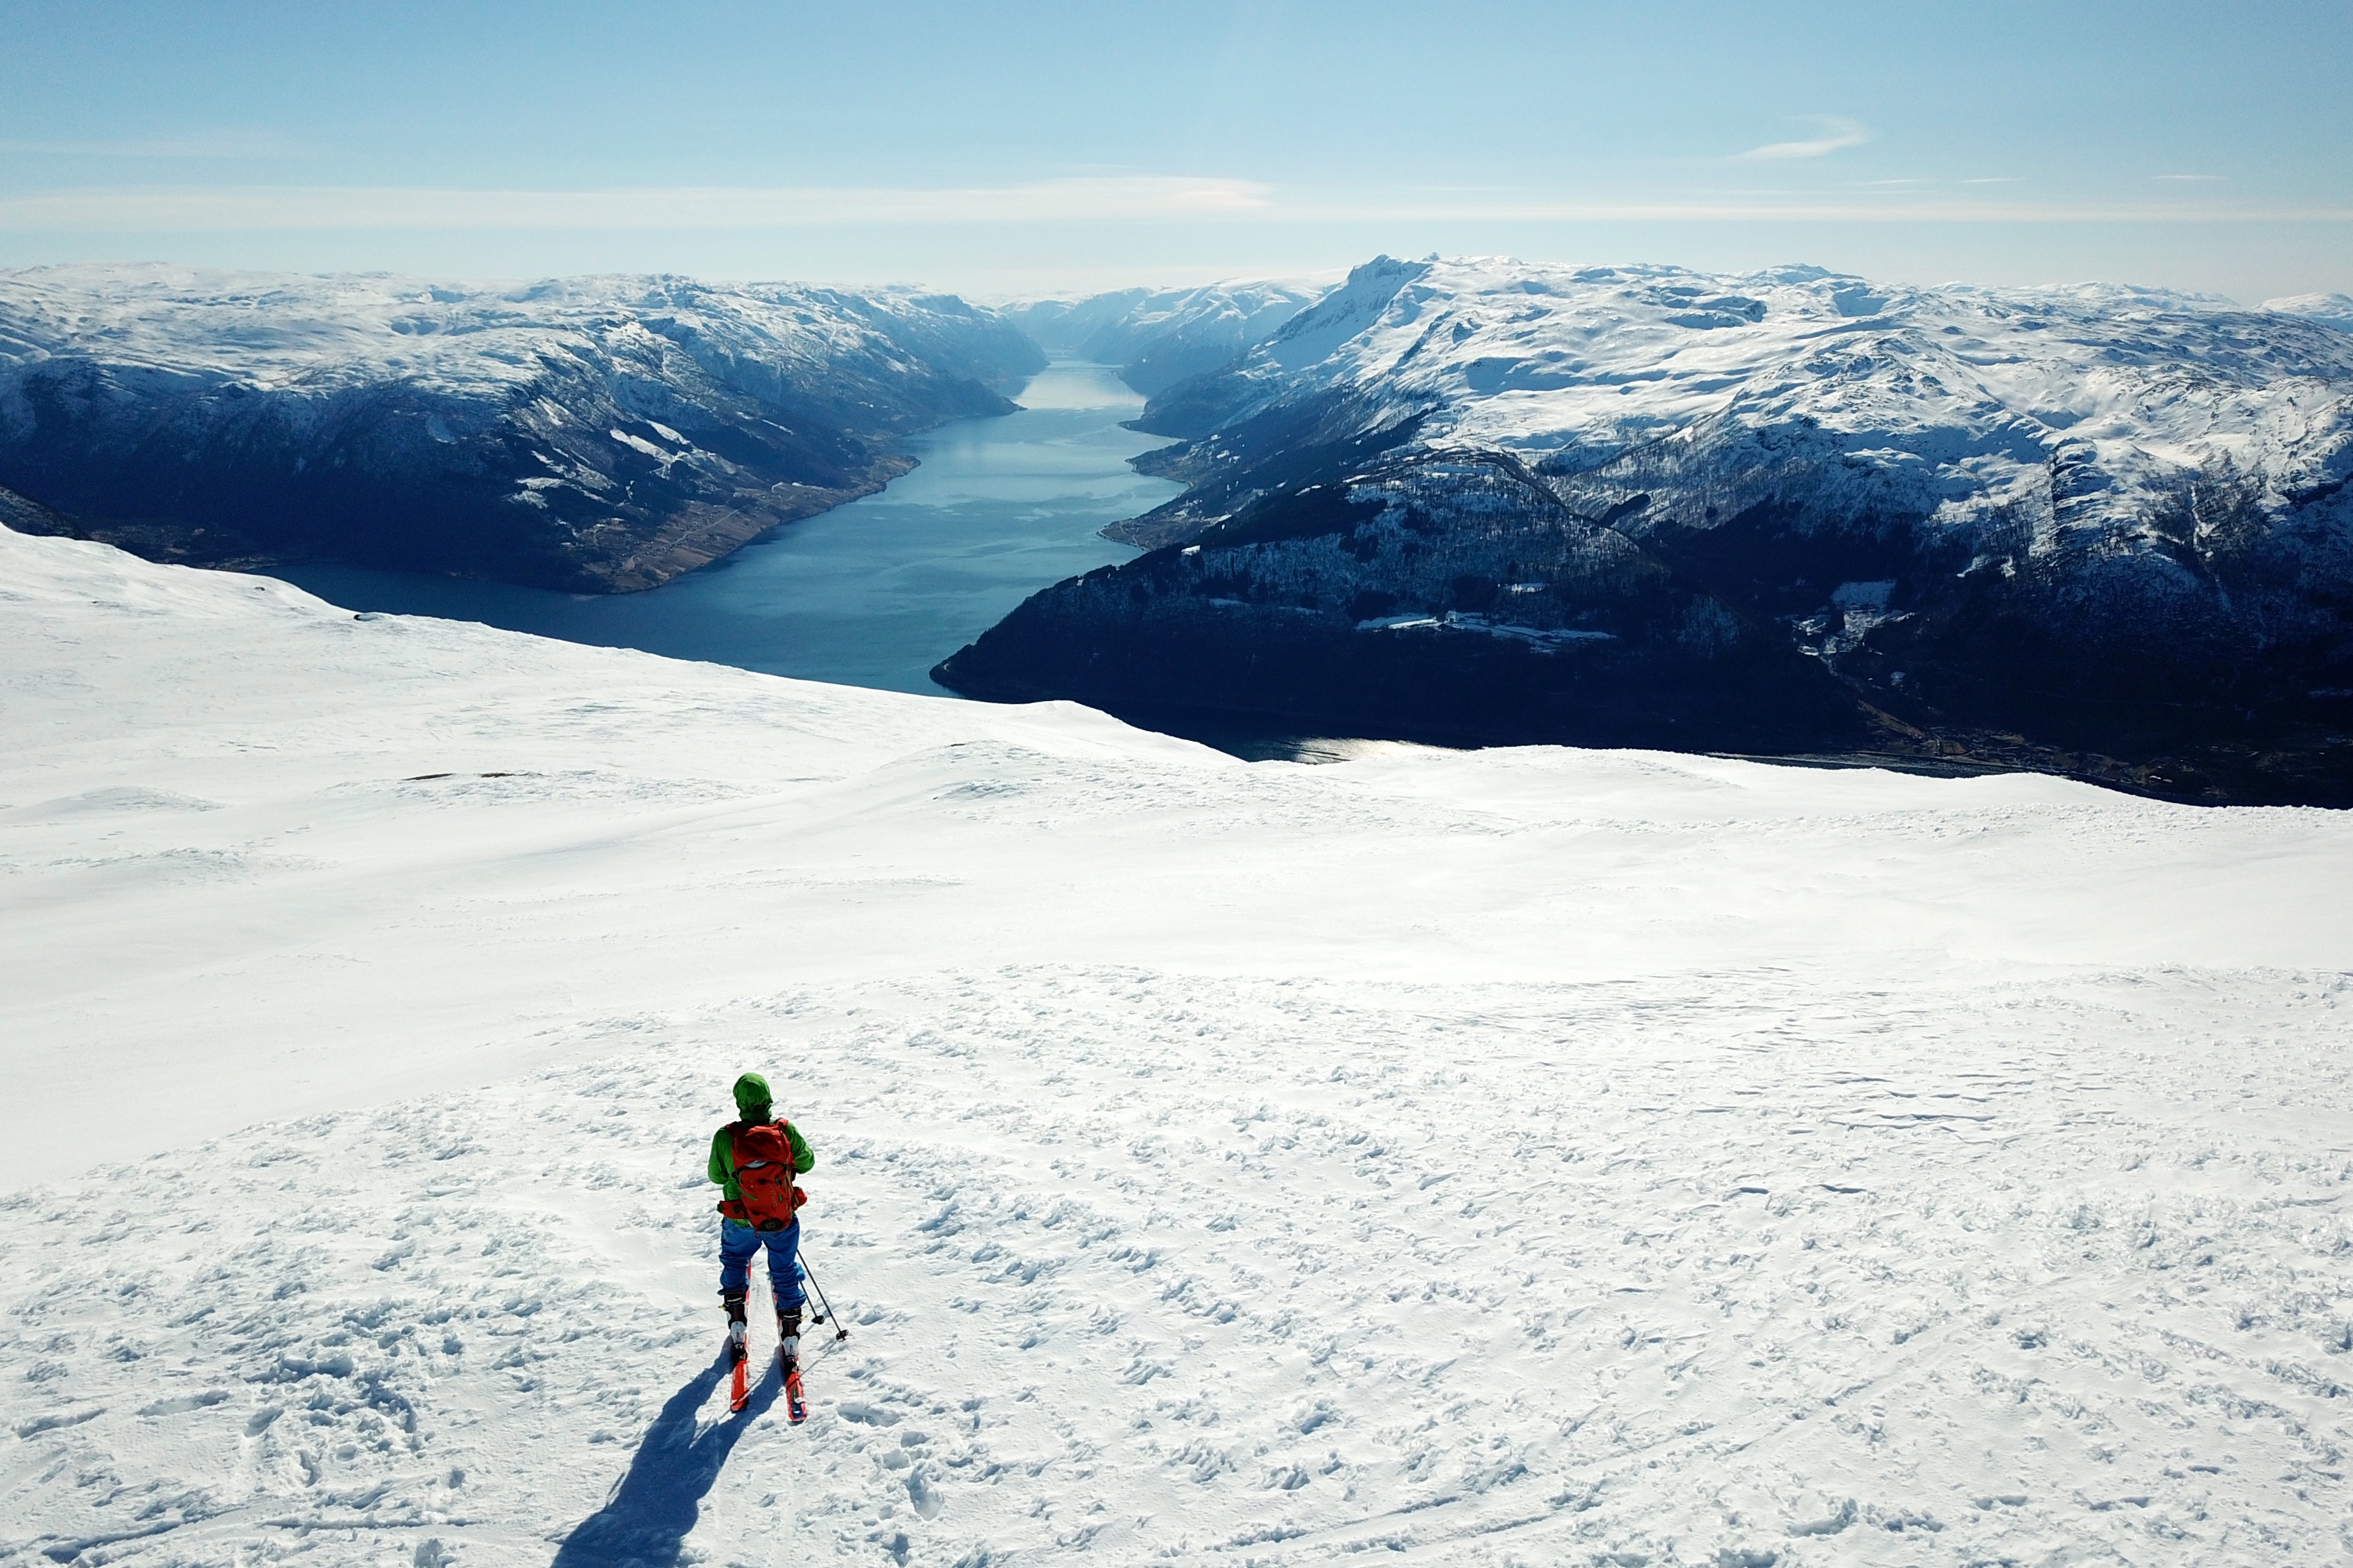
(738, 1242)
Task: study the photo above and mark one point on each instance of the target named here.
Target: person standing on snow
(755, 1160)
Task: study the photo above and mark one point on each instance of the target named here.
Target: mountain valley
(2094, 531)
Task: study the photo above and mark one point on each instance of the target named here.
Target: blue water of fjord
(871, 594)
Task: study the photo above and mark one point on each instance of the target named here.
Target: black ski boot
(739, 1332)
(789, 1337)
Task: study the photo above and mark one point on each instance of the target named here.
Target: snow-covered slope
(586, 432)
(1159, 337)
(2329, 310)
(2113, 519)
(1956, 402)
(1533, 1156)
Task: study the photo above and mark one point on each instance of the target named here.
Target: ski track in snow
(1260, 1272)
(1564, 1159)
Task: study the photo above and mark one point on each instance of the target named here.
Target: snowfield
(310, 334)
(1523, 1157)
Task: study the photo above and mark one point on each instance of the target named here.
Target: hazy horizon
(1058, 150)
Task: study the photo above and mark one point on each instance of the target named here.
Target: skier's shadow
(655, 1506)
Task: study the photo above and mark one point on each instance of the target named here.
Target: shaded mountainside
(600, 434)
(2096, 531)
(1444, 594)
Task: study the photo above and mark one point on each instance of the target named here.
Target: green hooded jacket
(752, 1099)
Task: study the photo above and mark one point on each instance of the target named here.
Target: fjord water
(871, 594)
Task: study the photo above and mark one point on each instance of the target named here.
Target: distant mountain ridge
(594, 434)
(1159, 337)
(2328, 309)
(2098, 529)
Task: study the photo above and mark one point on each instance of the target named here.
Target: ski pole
(825, 1308)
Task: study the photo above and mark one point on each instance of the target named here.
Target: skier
(755, 1160)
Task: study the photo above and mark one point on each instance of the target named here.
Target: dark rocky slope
(588, 433)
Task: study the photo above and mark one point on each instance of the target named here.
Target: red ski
(796, 1408)
(740, 1388)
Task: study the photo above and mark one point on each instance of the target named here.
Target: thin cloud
(151, 208)
(1837, 134)
(2193, 179)
(1092, 200)
(1794, 207)
(227, 144)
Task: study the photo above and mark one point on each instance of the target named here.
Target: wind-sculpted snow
(2114, 521)
(589, 432)
(1160, 337)
(1528, 1155)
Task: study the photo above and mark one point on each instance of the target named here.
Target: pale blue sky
(1033, 146)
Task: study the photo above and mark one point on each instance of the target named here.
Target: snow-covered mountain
(590, 433)
(2112, 520)
(1159, 337)
(1527, 1155)
(2328, 309)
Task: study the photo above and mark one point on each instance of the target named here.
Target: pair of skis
(739, 1390)
(739, 1347)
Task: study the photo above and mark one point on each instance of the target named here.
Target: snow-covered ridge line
(603, 432)
(1953, 397)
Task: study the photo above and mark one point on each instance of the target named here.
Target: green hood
(752, 1093)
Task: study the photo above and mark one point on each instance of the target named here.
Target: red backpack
(763, 1153)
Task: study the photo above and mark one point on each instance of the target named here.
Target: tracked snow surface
(1530, 1156)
